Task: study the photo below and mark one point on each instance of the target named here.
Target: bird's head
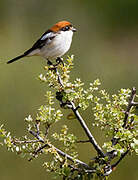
(63, 26)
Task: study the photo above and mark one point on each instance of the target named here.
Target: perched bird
(54, 43)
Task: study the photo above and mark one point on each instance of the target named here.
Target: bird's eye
(66, 28)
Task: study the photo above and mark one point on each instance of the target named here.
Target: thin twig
(37, 136)
(120, 159)
(71, 158)
(59, 78)
(40, 149)
(130, 104)
(38, 127)
(81, 170)
(135, 103)
(47, 131)
(83, 141)
(25, 141)
(107, 170)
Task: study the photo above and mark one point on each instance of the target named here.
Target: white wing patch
(47, 36)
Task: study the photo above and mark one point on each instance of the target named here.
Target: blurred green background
(105, 47)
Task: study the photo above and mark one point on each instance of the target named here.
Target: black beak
(73, 29)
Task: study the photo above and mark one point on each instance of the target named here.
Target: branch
(108, 169)
(37, 136)
(25, 141)
(114, 141)
(59, 78)
(72, 106)
(87, 131)
(120, 159)
(83, 141)
(64, 155)
(80, 170)
(135, 104)
(130, 104)
(72, 159)
(58, 151)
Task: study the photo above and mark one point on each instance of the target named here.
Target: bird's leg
(52, 66)
(49, 63)
(59, 60)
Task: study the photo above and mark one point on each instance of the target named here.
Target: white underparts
(58, 46)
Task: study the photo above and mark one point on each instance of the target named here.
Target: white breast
(58, 45)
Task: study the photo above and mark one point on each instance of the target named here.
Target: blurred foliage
(105, 47)
(115, 13)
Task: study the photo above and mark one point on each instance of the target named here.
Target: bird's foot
(59, 61)
(54, 66)
(49, 63)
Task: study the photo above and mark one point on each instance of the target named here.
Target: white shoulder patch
(48, 35)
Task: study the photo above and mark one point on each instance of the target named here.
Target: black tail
(21, 56)
(15, 59)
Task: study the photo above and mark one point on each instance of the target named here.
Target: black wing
(47, 36)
